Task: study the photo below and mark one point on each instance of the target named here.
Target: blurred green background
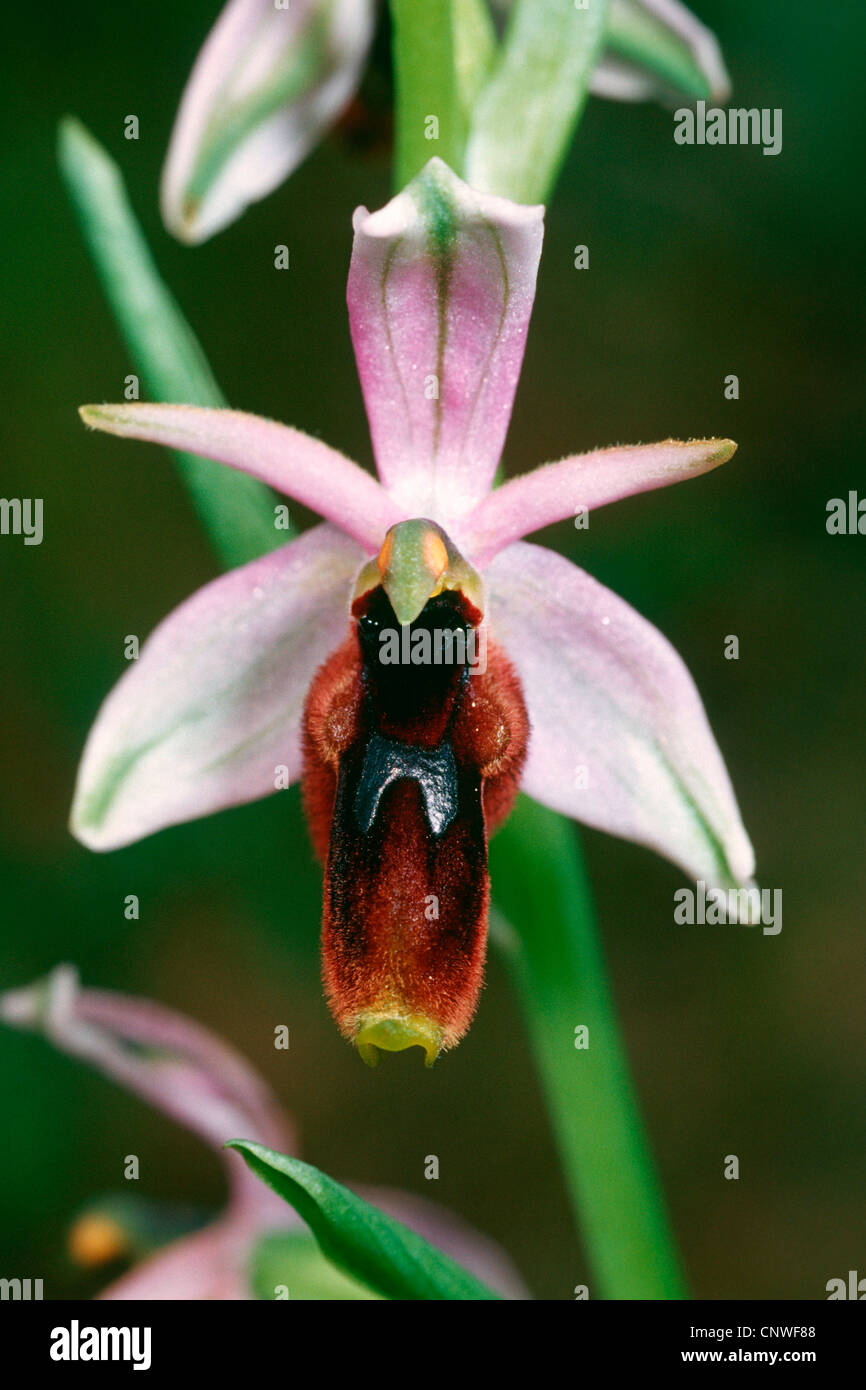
(703, 262)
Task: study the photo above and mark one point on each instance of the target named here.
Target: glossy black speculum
(409, 709)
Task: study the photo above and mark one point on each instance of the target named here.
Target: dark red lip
(407, 770)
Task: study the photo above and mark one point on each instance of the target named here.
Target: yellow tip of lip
(388, 1034)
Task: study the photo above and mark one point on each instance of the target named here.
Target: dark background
(703, 262)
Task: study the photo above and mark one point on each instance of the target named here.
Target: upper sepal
(440, 292)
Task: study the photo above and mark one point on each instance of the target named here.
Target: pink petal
(266, 85)
(212, 1264)
(212, 707)
(611, 705)
(176, 1065)
(440, 293)
(292, 462)
(559, 490)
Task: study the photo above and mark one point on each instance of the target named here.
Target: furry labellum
(415, 734)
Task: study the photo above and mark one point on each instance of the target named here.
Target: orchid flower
(268, 82)
(272, 78)
(279, 670)
(184, 1071)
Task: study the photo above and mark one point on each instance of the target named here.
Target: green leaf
(427, 85)
(292, 1261)
(559, 971)
(526, 114)
(236, 511)
(360, 1240)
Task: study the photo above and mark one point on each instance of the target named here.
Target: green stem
(236, 511)
(429, 114)
(559, 972)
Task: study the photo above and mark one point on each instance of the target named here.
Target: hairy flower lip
(390, 1031)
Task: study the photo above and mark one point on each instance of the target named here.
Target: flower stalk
(428, 115)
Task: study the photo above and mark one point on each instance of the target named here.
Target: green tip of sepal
(724, 450)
